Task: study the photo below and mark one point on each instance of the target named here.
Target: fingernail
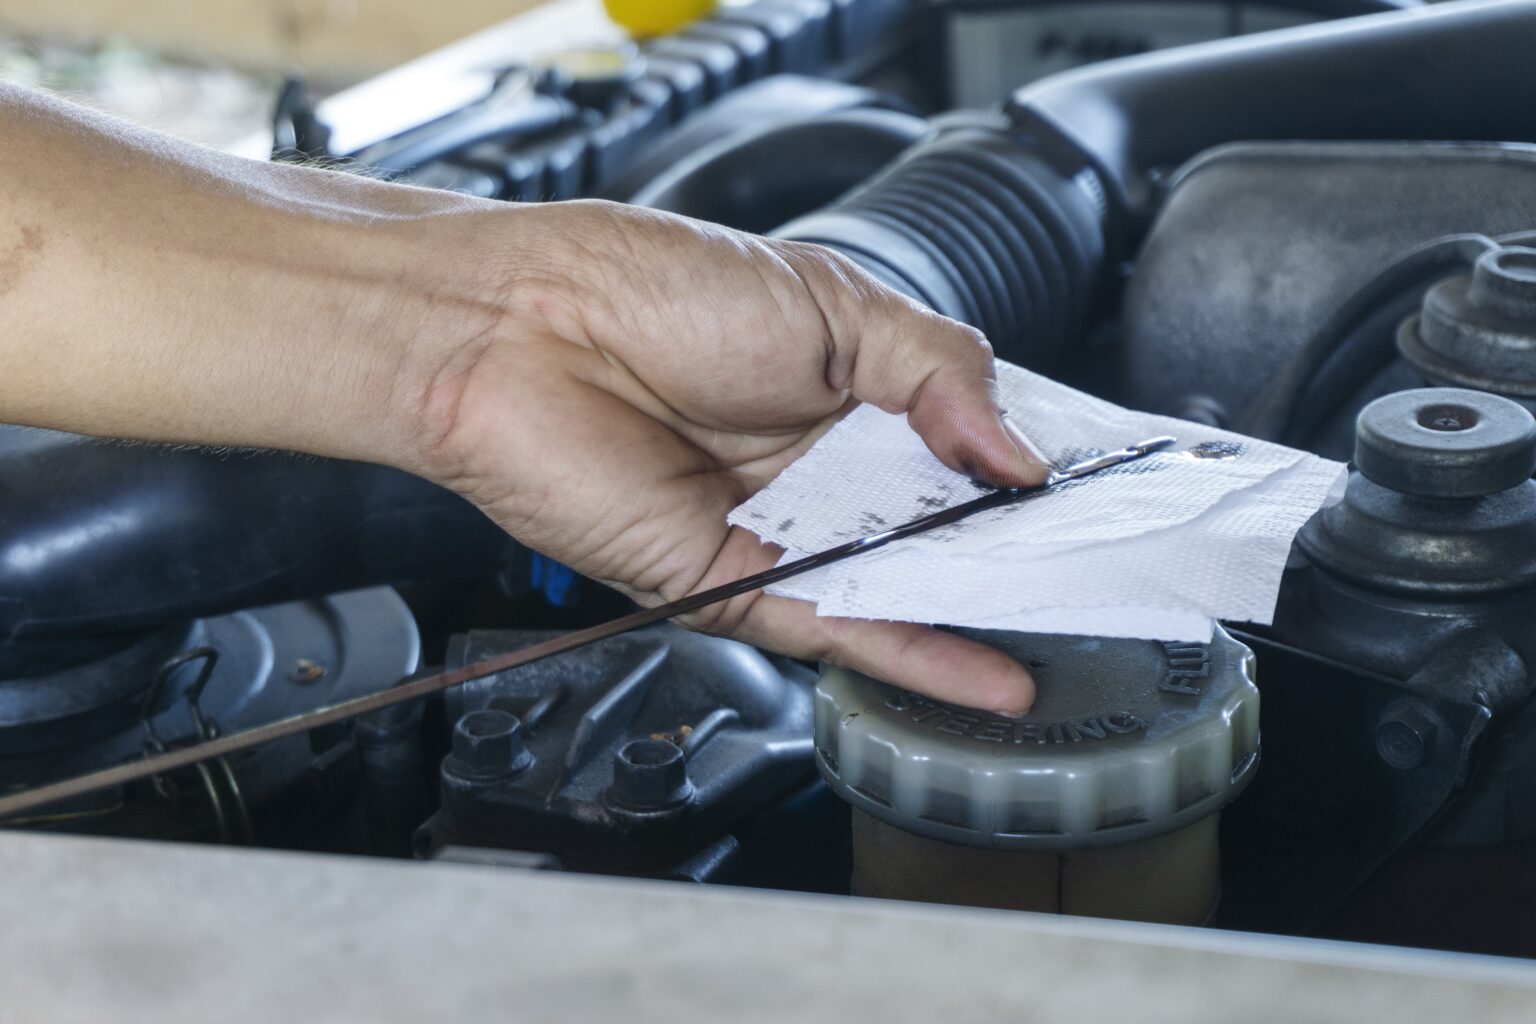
(1011, 714)
(1026, 447)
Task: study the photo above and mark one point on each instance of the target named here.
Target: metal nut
(650, 775)
(1405, 734)
(489, 744)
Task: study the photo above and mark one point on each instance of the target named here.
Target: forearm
(156, 290)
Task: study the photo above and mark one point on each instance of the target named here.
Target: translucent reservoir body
(1103, 801)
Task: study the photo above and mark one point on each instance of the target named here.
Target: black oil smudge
(1218, 450)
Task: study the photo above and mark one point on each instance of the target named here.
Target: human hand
(645, 374)
(606, 382)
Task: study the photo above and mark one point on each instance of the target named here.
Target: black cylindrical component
(1443, 72)
(1478, 329)
(395, 790)
(1406, 732)
(981, 225)
(683, 80)
(799, 31)
(1445, 443)
(721, 64)
(1441, 503)
(750, 44)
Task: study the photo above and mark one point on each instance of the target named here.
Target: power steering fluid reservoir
(1103, 801)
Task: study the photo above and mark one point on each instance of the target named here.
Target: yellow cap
(656, 17)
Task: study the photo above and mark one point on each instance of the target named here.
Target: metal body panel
(108, 930)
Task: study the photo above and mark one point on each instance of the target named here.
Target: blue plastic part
(558, 583)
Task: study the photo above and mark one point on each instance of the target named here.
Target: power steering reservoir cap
(1128, 739)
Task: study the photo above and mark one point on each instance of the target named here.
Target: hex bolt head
(1405, 734)
(489, 744)
(650, 775)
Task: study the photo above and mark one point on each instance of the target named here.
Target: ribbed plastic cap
(1128, 739)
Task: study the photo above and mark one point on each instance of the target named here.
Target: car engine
(1308, 221)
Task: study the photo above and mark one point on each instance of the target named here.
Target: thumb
(894, 353)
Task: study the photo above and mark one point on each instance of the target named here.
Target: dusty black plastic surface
(643, 750)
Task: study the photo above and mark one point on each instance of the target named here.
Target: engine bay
(1282, 220)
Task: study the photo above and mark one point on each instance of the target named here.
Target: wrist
(472, 283)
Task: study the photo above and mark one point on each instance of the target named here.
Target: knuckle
(974, 341)
(836, 268)
(721, 619)
(830, 645)
(844, 265)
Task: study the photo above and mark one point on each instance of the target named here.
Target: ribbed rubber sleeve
(977, 225)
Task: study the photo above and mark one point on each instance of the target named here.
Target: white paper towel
(1158, 548)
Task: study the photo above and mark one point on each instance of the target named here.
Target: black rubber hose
(1008, 224)
(979, 224)
(1455, 71)
(759, 182)
(99, 539)
(1359, 339)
